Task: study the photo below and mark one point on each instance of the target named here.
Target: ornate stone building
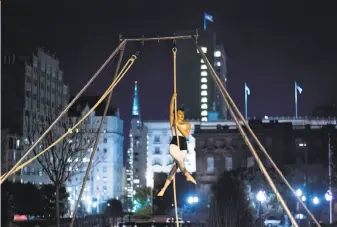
(221, 148)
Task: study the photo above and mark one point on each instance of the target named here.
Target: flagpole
(246, 102)
(296, 113)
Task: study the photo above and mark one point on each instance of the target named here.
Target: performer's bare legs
(179, 158)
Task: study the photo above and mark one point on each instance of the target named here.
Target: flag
(207, 17)
(298, 88)
(247, 90)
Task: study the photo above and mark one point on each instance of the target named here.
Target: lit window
(218, 63)
(204, 113)
(210, 164)
(217, 54)
(204, 106)
(204, 93)
(204, 80)
(204, 119)
(203, 73)
(202, 60)
(203, 67)
(204, 49)
(204, 86)
(204, 99)
(17, 144)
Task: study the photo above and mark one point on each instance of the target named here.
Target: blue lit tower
(135, 104)
(137, 152)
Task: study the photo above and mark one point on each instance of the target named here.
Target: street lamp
(261, 197)
(299, 192)
(328, 196)
(192, 199)
(315, 200)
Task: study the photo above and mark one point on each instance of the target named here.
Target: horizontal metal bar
(160, 38)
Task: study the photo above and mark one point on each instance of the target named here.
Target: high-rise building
(137, 152)
(11, 148)
(193, 79)
(32, 88)
(106, 176)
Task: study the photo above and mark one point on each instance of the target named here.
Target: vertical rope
(174, 50)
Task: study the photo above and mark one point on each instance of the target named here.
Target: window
(204, 113)
(204, 100)
(210, 164)
(203, 73)
(105, 150)
(229, 163)
(157, 139)
(104, 169)
(157, 150)
(217, 53)
(204, 106)
(105, 140)
(204, 86)
(250, 162)
(203, 93)
(203, 67)
(28, 94)
(218, 64)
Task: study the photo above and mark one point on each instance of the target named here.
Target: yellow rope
(174, 50)
(124, 70)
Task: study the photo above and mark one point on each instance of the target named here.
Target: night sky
(269, 44)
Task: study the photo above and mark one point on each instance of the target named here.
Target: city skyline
(269, 64)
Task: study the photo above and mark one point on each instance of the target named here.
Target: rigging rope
(107, 104)
(246, 139)
(6, 175)
(232, 103)
(111, 87)
(174, 50)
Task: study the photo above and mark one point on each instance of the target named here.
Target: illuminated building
(137, 152)
(106, 175)
(35, 83)
(193, 79)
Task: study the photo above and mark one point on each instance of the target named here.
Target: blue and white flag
(298, 88)
(247, 90)
(207, 17)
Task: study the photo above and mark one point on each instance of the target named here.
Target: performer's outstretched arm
(174, 96)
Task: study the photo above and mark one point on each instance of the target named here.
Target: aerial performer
(178, 153)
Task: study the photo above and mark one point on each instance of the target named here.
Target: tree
(68, 157)
(49, 200)
(26, 199)
(229, 205)
(113, 209)
(143, 202)
(6, 208)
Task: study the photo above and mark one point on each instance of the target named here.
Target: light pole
(261, 197)
(330, 188)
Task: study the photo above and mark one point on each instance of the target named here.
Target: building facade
(11, 148)
(302, 144)
(194, 74)
(137, 152)
(106, 175)
(35, 83)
